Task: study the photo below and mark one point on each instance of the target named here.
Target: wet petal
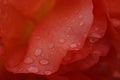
(63, 23)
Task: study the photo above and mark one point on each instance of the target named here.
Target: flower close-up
(59, 39)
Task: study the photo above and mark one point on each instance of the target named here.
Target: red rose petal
(113, 7)
(65, 28)
(100, 48)
(14, 28)
(73, 56)
(99, 26)
(115, 38)
(92, 54)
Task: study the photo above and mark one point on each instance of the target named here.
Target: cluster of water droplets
(38, 51)
(44, 61)
(35, 68)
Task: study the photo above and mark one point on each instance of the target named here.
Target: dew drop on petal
(67, 36)
(69, 28)
(93, 39)
(51, 46)
(37, 37)
(48, 72)
(96, 29)
(96, 35)
(80, 16)
(33, 69)
(61, 40)
(73, 45)
(81, 23)
(66, 18)
(28, 60)
(44, 62)
(38, 52)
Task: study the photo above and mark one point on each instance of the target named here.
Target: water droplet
(51, 46)
(66, 18)
(96, 35)
(96, 29)
(69, 28)
(73, 45)
(44, 61)
(61, 40)
(28, 60)
(33, 69)
(37, 37)
(80, 16)
(67, 36)
(93, 39)
(38, 52)
(81, 23)
(48, 72)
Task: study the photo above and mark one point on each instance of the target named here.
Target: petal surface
(65, 28)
